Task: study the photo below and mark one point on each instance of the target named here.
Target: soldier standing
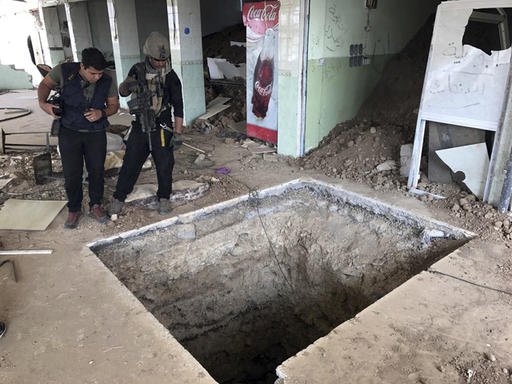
(155, 88)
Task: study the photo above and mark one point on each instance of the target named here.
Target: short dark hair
(92, 57)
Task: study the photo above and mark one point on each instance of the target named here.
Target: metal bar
(489, 18)
(194, 148)
(24, 145)
(25, 133)
(501, 147)
(414, 171)
(27, 252)
(504, 34)
(506, 192)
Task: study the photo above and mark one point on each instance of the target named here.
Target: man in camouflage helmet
(160, 90)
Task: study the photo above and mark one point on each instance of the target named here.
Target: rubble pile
(218, 44)
(367, 149)
(362, 151)
(231, 119)
(18, 181)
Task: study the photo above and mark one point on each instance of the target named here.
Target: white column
(187, 54)
(54, 52)
(125, 38)
(79, 28)
(292, 63)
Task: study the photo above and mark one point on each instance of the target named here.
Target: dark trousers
(75, 147)
(137, 151)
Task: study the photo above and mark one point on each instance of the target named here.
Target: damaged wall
(11, 78)
(151, 17)
(219, 14)
(337, 31)
(100, 28)
(17, 70)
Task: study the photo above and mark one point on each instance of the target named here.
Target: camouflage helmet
(157, 46)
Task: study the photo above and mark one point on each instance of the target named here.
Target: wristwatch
(103, 113)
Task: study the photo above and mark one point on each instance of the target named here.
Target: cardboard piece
(213, 111)
(238, 44)
(221, 68)
(29, 215)
(473, 160)
(217, 101)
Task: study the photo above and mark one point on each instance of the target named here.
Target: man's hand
(128, 86)
(177, 138)
(93, 115)
(48, 108)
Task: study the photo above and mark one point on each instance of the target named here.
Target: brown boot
(98, 214)
(72, 220)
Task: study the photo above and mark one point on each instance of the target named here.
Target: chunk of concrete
(186, 232)
(388, 165)
(405, 159)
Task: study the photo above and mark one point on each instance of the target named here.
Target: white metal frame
(414, 171)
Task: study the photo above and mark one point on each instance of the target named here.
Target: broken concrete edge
(438, 229)
(377, 320)
(124, 297)
(335, 190)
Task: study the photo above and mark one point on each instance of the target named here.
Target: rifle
(141, 105)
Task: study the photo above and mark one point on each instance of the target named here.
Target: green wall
(336, 91)
(14, 79)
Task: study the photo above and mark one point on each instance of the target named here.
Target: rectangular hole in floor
(246, 284)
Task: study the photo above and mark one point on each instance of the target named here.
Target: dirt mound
(367, 148)
(398, 94)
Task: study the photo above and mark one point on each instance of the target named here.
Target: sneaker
(98, 214)
(164, 206)
(3, 328)
(116, 207)
(72, 220)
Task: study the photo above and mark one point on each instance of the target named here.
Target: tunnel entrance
(247, 284)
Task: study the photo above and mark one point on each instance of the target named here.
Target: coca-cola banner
(262, 22)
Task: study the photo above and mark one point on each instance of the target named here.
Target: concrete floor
(71, 321)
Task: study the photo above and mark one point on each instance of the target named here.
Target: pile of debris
(229, 121)
(17, 179)
(360, 150)
(218, 45)
(368, 148)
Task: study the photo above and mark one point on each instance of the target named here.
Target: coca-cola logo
(267, 13)
(263, 91)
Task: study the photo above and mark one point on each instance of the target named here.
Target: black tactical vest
(75, 103)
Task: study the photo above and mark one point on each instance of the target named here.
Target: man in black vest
(155, 88)
(88, 97)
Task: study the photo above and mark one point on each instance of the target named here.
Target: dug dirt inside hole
(244, 288)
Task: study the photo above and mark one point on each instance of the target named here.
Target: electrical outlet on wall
(356, 55)
(370, 4)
